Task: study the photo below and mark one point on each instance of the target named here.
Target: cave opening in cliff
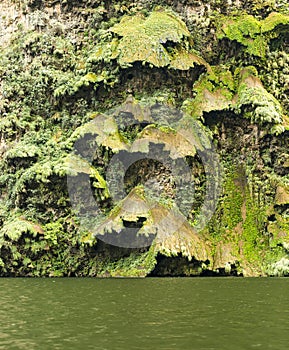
(181, 266)
(176, 266)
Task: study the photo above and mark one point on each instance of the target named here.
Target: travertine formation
(204, 84)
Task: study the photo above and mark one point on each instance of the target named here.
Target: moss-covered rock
(253, 34)
(100, 76)
(162, 39)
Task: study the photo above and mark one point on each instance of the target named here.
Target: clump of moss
(161, 39)
(242, 93)
(253, 34)
(213, 92)
(256, 103)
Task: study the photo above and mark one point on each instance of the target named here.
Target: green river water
(124, 314)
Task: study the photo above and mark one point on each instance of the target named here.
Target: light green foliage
(135, 265)
(272, 22)
(15, 227)
(275, 74)
(252, 33)
(245, 30)
(228, 214)
(240, 219)
(23, 150)
(213, 92)
(258, 105)
(255, 102)
(243, 93)
(255, 217)
(52, 231)
(144, 39)
(279, 268)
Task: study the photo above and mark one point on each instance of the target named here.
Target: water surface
(125, 314)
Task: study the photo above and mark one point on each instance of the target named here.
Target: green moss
(243, 93)
(245, 25)
(135, 265)
(167, 129)
(232, 203)
(266, 109)
(253, 225)
(239, 223)
(213, 92)
(253, 34)
(245, 30)
(228, 215)
(15, 227)
(274, 20)
(144, 39)
(255, 102)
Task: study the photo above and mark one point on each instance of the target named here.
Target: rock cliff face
(144, 138)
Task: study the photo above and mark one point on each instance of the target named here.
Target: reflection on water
(119, 314)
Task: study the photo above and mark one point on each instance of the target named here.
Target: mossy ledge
(65, 64)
